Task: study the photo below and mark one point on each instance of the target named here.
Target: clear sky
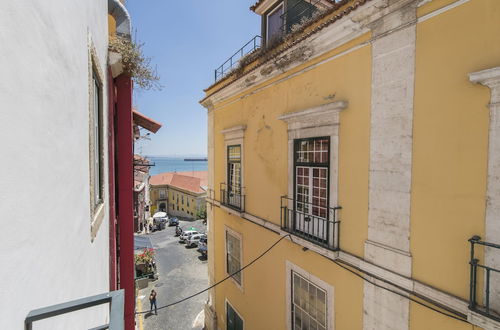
(187, 40)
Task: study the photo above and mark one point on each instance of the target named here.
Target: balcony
(232, 197)
(116, 311)
(314, 223)
(237, 59)
(491, 302)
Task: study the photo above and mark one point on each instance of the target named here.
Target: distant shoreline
(195, 159)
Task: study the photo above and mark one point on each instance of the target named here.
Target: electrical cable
(224, 279)
(399, 294)
(459, 316)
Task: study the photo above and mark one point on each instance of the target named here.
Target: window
(97, 139)
(233, 255)
(313, 151)
(162, 193)
(187, 202)
(182, 199)
(312, 163)
(234, 169)
(233, 319)
(274, 27)
(308, 304)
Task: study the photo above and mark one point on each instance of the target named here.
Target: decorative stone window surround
(316, 281)
(240, 238)
(318, 121)
(97, 211)
(235, 136)
(491, 79)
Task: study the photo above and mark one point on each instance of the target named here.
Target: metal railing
(232, 197)
(308, 221)
(114, 298)
(475, 268)
(233, 61)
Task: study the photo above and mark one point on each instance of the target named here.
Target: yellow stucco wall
(450, 139)
(450, 143)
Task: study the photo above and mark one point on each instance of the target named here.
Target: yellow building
(361, 144)
(180, 194)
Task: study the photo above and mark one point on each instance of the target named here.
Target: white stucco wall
(46, 254)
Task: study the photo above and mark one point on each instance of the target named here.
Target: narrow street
(182, 272)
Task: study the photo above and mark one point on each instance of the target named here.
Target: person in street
(152, 302)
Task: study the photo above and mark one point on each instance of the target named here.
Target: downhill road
(182, 272)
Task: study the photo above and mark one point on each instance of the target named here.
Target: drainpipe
(122, 18)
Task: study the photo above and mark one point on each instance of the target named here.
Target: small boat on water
(195, 159)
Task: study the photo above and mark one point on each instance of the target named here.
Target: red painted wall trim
(125, 182)
(113, 280)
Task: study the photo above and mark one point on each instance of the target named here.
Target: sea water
(175, 164)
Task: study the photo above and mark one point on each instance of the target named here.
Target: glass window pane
(275, 24)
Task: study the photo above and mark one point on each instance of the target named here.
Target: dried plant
(135, 63)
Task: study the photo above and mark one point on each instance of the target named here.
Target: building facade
(360, 145)
(68, 105)
(141, 171)
(180, 194)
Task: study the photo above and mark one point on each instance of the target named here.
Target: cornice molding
(235, 132)
(489, 78)
(325, 114)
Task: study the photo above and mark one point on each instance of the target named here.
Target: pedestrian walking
(152, 302)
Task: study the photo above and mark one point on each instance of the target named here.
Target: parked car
(202, 245)
(185, 235)
(173, 222)
(194, 239)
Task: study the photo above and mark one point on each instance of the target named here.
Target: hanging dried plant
(135, 63)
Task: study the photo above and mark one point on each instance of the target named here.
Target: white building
(54, 200)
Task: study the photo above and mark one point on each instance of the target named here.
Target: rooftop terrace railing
(114, 298)
(312, 222)
(232, 62)
(475, 270)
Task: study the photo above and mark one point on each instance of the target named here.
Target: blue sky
(186, 40)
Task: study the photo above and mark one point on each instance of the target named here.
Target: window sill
(482, 321)
(96, 221)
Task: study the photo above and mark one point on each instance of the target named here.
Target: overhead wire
(224, 279)
(338, 264)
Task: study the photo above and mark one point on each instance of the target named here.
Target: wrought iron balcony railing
(114, 298)
(490, 275)
(234, 61)
(315, 223)
(232, 197)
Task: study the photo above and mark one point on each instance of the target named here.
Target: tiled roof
(194, 181)
(335, 15)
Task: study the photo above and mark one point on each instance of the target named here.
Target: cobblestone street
(182, 272)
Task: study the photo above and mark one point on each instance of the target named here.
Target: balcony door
(311, 216)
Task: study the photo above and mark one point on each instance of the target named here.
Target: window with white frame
(234, 170)
(233, 319)
(312, 161)
(96, 142)
(233, 255)
(162, 193)
(309, 304)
